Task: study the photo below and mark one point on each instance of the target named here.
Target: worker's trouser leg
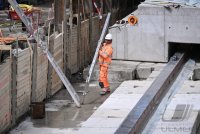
(103, 76)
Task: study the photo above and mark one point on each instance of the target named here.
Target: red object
(14, 15)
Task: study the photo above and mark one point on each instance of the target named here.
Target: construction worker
(105, 58)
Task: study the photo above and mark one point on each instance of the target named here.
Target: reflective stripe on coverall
(105, 58)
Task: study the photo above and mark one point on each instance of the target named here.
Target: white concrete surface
(108, 117)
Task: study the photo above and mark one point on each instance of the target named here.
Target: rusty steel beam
(141, 113)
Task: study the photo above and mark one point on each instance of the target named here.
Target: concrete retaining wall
(157, 27)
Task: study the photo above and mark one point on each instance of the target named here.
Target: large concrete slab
(108, 117)
(157, 27)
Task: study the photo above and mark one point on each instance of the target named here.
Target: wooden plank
(73, 59)
(64, 35)
(85, 50)
(5, 93)
(58, 56)
(41, 80)
(50, 68)
(34, 76)
(5, 47)
(78, 36)
(21, 83)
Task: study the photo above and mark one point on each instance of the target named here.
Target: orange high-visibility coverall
(105, 58)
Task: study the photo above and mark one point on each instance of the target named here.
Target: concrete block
(119, 71)
(159, 66)
(116, 75)
(153, 75)
(144, 70)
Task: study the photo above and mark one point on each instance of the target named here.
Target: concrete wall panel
(157, 26)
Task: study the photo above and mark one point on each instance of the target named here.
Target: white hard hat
(108, 37)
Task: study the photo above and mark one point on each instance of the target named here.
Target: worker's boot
(105, 91)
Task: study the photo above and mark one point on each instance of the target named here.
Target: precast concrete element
(119, 71)
(144, 70)
(157, 26)
(108, 117)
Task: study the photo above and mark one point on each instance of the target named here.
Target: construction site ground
(108, 112)
(62, 115)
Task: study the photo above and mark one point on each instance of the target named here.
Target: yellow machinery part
(24, 7)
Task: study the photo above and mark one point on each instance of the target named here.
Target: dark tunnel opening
(192, 50)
